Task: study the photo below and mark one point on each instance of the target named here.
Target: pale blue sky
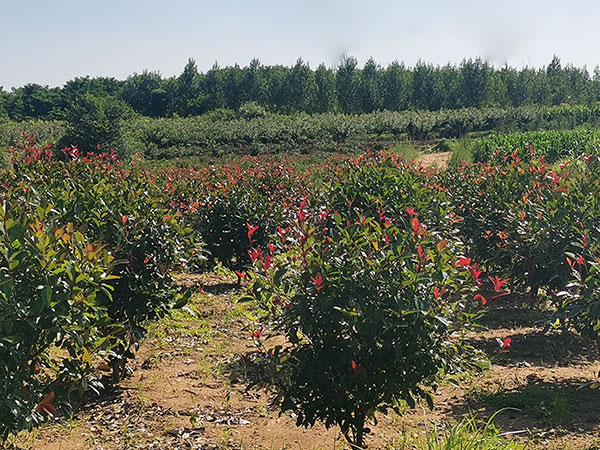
(52, 41)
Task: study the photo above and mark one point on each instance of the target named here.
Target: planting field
(373, 300)
(188, 390)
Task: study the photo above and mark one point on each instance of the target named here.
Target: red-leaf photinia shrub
(528, 220)
(373, 305)
(88, 256)
(51, 279)
(233, 205)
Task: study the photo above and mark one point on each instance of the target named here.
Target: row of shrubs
(87, 257)
(96, 121)
(373, 274)
(553, 145)
(375, 282)
(540, 224)
(532, 221)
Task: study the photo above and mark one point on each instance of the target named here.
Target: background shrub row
(96, 121)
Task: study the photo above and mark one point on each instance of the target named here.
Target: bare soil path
(439, 159)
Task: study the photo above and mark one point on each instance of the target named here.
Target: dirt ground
(187, 390)
(439, 159)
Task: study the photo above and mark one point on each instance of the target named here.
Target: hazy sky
(52, 41)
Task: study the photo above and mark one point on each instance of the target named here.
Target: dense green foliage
(223, 203)
(346, 88)
(538, 223)
(96, 124)
(87, 257)
(368, 296)
(51, 280)
(553, 145)
(255, 131)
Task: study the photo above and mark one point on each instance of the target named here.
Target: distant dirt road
(435, 159)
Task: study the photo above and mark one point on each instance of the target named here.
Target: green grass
(466, 435)
(186, 322)
(407, 150)
(462, 150)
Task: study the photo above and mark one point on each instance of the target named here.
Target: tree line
(346, 88)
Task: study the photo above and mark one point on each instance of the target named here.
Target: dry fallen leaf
(46, 405)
